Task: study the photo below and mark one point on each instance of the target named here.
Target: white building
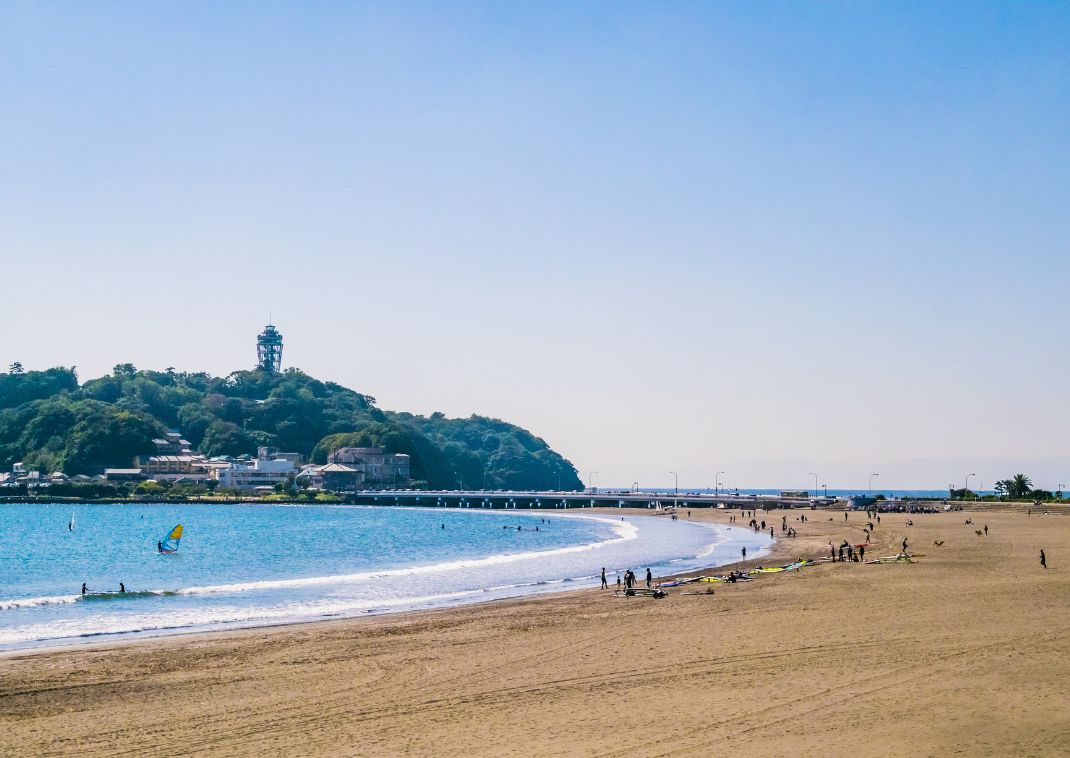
(258, 472)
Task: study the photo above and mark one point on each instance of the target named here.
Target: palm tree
(1019, 486)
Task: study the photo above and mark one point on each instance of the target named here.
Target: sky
(764, 238)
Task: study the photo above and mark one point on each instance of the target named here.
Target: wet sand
(964, 652)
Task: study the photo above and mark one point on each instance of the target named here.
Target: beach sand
(964, 652)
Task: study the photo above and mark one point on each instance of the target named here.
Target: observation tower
(269, 350)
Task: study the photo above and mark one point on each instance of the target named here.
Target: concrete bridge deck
(566, 500)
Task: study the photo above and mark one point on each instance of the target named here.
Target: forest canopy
(51, 422)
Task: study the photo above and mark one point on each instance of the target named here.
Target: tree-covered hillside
(50, 422)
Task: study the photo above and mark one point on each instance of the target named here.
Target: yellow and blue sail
(170, 543)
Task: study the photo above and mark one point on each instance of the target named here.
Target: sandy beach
(963, 652)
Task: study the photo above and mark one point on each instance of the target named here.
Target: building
(123, 474)
(173, 467)
(378, 469)
(337, 477)
(172, 444)
(174, 460)
(248, 475)
(273, 453)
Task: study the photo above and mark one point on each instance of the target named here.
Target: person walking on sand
(605, 584)
(649, 578)
(904, 544)
(861, 553)
(845, 515)
(986, 530)
(1043, 564)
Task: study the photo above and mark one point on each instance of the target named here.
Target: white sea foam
(31, 602)
(624, 531)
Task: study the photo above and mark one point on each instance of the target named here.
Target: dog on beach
(978, 532)
(938, 543)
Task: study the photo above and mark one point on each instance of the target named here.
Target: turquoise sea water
(246, 565)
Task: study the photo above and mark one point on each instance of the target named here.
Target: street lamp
(871, 483)
(815, 482)
(717, 484)
(676, 489)
(590, 480)
(967, 489)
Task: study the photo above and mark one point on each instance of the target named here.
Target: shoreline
(695, 564)
(835, 658)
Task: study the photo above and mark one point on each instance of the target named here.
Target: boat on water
(169, 544)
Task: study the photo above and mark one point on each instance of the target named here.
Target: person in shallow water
(122, 588)
(84, 590)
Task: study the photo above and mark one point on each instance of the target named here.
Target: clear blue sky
(766, 238)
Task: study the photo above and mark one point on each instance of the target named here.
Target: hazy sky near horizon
(662, 236)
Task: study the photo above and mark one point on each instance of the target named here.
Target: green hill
(50, 422)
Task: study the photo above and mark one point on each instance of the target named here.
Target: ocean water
(250, 565)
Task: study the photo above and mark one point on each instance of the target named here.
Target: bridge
(569, 500)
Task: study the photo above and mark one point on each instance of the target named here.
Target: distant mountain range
(52, 423)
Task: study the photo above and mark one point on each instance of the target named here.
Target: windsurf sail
(170, 543)
(70, 524)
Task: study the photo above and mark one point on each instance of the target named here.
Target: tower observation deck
(269, 350)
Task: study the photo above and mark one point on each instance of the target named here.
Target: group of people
(847, 552)
(86, 590)
(629, 579)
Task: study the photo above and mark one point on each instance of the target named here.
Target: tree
(16, 368)
(123, 370)
(224, 438)
(1019, 486)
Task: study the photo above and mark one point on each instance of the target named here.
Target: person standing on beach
(861, 553)
(744, 553)
(904, 544)
(986, 530)
(770, 532)
(618, 582)
(1043, 564)
(605, 584)
(845, 515)
(649, 578)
